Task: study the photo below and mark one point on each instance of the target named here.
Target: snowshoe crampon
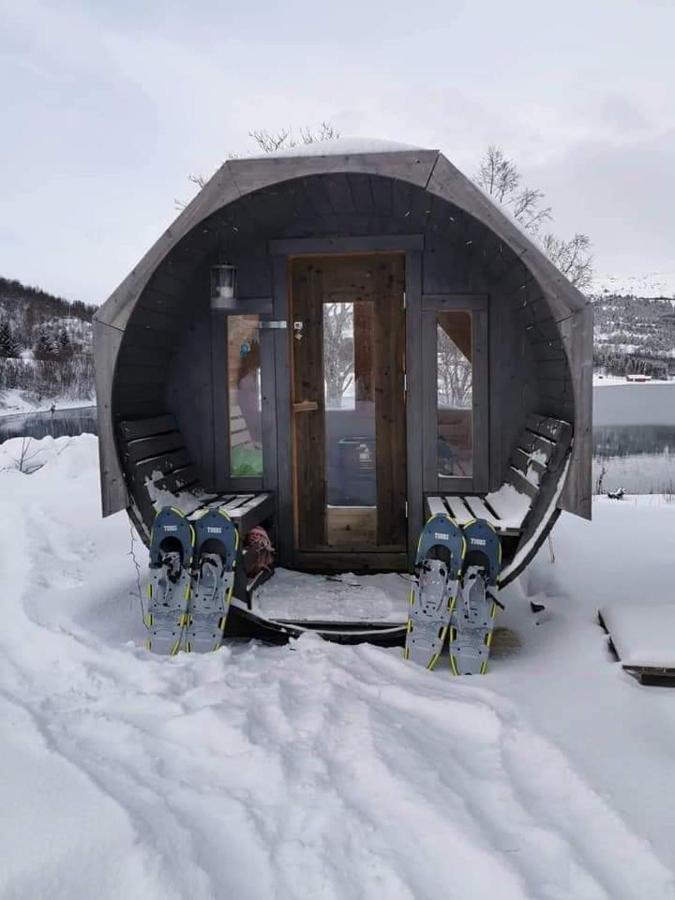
(217, 542)
(473, 616)
(171, 550)
(438, 567)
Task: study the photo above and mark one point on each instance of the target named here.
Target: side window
(454, 381)
(456, 402)
(245, 398)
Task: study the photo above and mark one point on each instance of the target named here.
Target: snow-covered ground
(600, 380)
(316, 770)
(15, 402)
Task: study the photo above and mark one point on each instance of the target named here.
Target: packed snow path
(311, 770)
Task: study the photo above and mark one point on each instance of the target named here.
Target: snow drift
(310, 770)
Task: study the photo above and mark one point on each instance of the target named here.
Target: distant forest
(634, 335)
(45, 344)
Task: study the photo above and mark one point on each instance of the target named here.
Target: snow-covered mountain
(634, 334)
(28, 312)
(45, 348)
(647, 284)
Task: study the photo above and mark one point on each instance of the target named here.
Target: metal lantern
(223, 286)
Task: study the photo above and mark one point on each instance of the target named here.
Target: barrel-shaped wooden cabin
(336, 342)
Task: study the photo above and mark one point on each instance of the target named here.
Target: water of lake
(61, 423)
(634, 438)
(633, 435)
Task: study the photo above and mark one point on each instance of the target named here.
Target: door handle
(305, 406)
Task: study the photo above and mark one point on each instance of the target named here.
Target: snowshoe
(171, 550)
(438, 567)
(217, 542)
(473, 617)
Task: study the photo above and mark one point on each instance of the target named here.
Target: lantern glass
(223, 284)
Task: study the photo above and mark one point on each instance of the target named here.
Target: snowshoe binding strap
(438, 566)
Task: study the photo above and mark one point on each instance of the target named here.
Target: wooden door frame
(281, 252)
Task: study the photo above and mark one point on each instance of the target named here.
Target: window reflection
(454, 352)
(351, 477)
(243, 372)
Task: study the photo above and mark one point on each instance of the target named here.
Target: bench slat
(145, 448)
(239, 438)
(531, 469)
(436, 506)
(554, 429)
(140, 428)
(236, 501)
(521, 484)
(181, 479)
(459, 510)
(164, 464)
(481, 511)
(254, 512)
(532, 443)
(507, 516)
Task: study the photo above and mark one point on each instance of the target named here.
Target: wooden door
(348, 399)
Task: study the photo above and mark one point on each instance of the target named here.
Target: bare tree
(338, 351)
(25, 462)
(271, 141)
(454, 374)
(500, 178)
(572, 257)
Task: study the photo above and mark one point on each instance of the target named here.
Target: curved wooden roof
(428, 169)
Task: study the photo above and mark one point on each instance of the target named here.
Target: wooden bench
(160, 473)
(537, 458)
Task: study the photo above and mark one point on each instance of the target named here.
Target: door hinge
(406, 509)
(405, 301)
(273, 323)
(405, 382)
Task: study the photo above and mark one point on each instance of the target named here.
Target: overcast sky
(107, 106)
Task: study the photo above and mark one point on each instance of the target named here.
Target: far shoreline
(41, 411)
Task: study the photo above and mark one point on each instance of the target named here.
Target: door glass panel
(351, 475)
(454, 355)
(348, 403)
(243, 375)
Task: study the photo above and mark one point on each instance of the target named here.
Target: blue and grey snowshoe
(473, 617)
(217, 542)
(438, 567)
(171, 549)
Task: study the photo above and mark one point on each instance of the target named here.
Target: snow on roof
(344, 146)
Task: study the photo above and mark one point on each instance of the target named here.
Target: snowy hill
(634, 334)
(313, 769)
(45, 349)
(649, 284)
